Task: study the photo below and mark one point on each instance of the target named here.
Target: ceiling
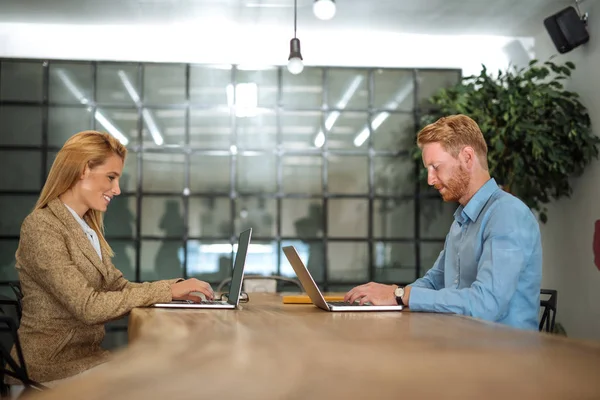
(496, 17)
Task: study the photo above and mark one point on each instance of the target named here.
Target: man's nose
(431, 179)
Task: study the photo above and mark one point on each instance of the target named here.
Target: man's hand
(182, 290)
(375, 293)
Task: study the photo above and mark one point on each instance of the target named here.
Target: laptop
(315, 294)
(235, 288)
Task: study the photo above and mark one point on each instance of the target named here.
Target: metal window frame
(279, 151)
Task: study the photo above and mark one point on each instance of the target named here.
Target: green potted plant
(538, 133)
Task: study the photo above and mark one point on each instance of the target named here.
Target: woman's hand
(183, 290)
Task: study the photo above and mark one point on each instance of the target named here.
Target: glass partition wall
(317, 160)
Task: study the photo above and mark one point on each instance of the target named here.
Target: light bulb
(324, 9)
(295, 65)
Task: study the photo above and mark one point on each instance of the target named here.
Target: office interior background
(222, 137)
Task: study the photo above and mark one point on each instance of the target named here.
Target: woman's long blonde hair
(87, 148)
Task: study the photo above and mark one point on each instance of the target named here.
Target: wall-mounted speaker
(567, 30)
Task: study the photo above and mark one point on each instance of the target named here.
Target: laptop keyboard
(208, 302)
(344, 304)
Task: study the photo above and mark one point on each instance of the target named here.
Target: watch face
(399, 292)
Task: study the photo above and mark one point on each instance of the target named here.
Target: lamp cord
(295, 16)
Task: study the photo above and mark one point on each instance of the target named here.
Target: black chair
(16, 288)
(11, 367)
(9, 308)
(549, 310)
(11, 311)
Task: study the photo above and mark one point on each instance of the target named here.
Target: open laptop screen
(238, 267)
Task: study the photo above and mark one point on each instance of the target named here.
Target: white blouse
(89, 232)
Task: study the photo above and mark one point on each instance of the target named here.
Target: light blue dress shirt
(491, 264)
(89, 232)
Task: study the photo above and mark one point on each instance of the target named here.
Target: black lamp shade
(295, 49)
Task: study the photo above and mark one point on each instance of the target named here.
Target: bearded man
(491, 264)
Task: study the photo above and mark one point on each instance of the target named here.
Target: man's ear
(468, 156)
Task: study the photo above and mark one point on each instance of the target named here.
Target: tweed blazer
(68, 295)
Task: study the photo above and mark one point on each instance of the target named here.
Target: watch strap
(399, 298)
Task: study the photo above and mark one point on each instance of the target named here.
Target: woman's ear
(85, 173)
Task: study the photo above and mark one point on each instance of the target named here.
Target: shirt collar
(81, 221)
(477, 202)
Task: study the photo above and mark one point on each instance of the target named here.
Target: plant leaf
(538, 134)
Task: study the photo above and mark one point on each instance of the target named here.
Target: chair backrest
(10, 306)
(16, 288)
(548, 303)
(260, 288)
(17, 295)
(12, 309)
(11, 366)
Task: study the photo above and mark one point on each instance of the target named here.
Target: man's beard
(457, 185)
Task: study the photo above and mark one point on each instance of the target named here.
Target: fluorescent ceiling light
(71, 86)
(361, 137)
(341, 104)
(382, 116)
(244, 100)
(152, 127)
(352, 88)
(320, 139)
(80, 96)
(110, 128)
(146, 114)
(129, 87)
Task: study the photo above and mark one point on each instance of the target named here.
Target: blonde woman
(70, 286)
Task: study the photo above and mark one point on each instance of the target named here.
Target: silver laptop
(315, 294)
(235, 288)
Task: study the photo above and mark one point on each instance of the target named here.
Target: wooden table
(268, 350)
